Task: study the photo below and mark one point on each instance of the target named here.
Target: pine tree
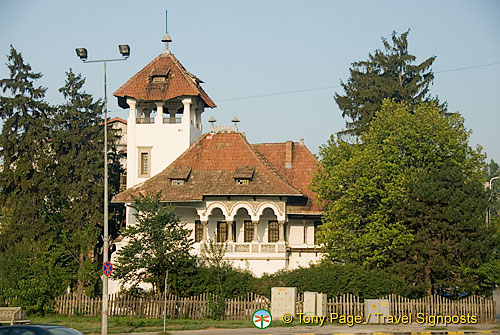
(77, 143)
(27, 231)
(389, 74)
(446, 211)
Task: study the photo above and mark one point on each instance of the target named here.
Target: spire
(166, 38)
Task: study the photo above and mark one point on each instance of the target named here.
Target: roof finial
(166, 38)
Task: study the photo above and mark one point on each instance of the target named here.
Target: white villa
(254, 197)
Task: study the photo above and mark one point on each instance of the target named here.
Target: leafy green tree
(492, 170)
(156, 244)
(371, 193)
(388, 74)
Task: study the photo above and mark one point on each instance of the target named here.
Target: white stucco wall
(259, 262)
(167, 141)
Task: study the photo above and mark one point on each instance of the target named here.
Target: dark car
(38, 330)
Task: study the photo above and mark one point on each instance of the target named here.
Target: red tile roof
(117, 119)
(215, 158)
(301, 171)
(178, 82)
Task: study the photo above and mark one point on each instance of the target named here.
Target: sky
(265, 50)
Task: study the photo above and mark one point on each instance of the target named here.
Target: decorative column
(281, 225)
(186, 116)
(159, 113)
(204, 227)
(229, 231)
(132, 112)
(255, 231)
(305, 231)
(131, 149)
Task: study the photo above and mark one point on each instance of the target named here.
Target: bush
(335, 280)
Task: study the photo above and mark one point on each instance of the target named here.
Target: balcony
(144, 120)
(172, 120)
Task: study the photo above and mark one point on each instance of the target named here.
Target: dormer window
(179, 175)
(243, 174)
(159, 77)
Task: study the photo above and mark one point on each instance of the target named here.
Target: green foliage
(352, 278)
(51, 185)
(77, 144)
(215, 307)
(388, 74)
(408, 197)
(157, 243)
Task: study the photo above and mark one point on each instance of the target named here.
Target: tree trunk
(428, 280)
(79, 285)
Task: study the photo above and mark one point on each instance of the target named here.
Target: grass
(436, 328)
(92, 325)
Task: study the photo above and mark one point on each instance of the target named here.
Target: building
(119, 125)
(254, 197)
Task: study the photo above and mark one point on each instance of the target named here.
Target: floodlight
(82, 53)
(124, 50)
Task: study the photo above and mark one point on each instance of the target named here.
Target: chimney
(289, 154)
(301, 141)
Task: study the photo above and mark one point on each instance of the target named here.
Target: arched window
(272, 231)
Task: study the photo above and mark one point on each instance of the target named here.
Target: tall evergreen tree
(451, 242)
(388, 74)
(27, 231)
(77, 143)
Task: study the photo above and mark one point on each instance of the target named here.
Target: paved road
(414, 329)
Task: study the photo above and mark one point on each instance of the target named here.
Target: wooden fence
(242, 308)
(196, 307)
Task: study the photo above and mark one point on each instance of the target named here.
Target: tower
(166, 103)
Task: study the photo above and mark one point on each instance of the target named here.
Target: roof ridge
(260, 157)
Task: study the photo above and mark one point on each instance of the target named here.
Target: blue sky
(253, 48)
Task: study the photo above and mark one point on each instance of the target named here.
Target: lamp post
(82, 53)
(488, 214)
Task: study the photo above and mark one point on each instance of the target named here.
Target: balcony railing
(266, 248)
(145, 120)
(172, 120)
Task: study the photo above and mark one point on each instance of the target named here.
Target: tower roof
(164, 78)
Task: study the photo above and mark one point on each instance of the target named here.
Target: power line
(280, 93)
(337, 86)
(467, 67)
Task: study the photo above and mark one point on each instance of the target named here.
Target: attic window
(159, 79)
(242, 181)
(243, 174)
(179, 174)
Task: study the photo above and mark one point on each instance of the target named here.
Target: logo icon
(107, 268)
(261, 319)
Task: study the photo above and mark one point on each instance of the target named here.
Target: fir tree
(27, 232)
(389, 74)
(78, 145)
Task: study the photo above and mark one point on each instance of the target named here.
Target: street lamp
(82, 53)
(488, 214)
